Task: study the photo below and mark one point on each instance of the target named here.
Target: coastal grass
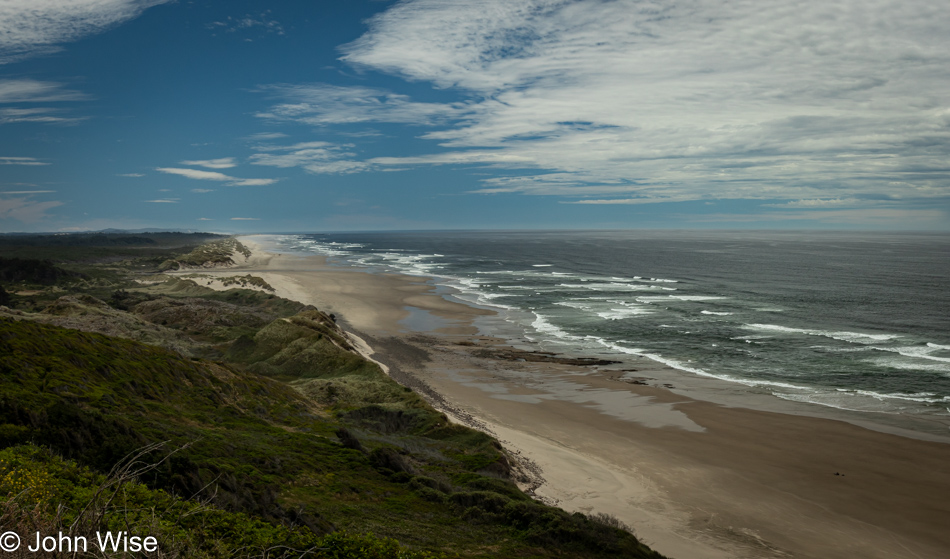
(284, 430)
(42, 493)
(220, 252)
(272, 453)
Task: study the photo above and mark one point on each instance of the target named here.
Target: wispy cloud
(820, 203)
(27, 192)
(24, 209)
(205, 219)
(133, 175)
(630, 201)
(164, 201)
(30, 27)
(315, 157)
(660, 100)
(195, 174)
(198, 174)
(202, 190)
(222, 163)
(263, 136)
(253, 182)
(868, 216)
(27, 90)
(245, 219)
(32, 91)
(37, 114)
(261, 22)
(32, 161)
(322, 104)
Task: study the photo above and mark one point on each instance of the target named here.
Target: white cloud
(36, 114)
(27, 90)
(27, 192)
(222, 163)
(870, 216)
(315, 157)
(660, 100)
(31, 91)
(202, 190)
(21, 161)
(322, 104)
(253, 182)
(195, 174)
(262, 136)
(36, 26)
(205, 219)
(215, 176)
(25, 210)
(133, 175)
(630, 201)
(820, 203)
(245, 219)
(164, 201)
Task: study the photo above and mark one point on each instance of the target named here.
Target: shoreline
(694, 478)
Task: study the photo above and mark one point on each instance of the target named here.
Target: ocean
(853, 321)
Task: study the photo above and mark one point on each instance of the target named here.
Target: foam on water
(916, 352)
(622, 313)
(854, 337)
(600, 297)
(905, 365)
(543, 326)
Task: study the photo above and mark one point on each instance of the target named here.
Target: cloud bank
(29, 27)
(659, 101)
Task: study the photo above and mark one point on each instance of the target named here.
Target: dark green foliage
(101, 247)
(264, 452)
(40, 491)
(389, 421)
(43, 272)
(306, 345)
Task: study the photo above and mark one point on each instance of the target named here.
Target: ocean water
(856, 321)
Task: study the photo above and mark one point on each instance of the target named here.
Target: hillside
(270, 430)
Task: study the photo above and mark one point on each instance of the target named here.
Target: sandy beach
(695, 479)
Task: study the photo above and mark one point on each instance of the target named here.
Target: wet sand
(695, 479)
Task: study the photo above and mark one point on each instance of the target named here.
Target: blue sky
(246, 115)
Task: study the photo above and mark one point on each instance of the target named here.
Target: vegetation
(286, 442)
(220, 252)
(42, 492)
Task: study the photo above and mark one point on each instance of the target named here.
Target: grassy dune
(284, 439)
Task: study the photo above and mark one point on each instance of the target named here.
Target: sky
(312, 115)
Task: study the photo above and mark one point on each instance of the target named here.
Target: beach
(693, 478)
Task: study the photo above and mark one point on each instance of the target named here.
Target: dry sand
(693, 478)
